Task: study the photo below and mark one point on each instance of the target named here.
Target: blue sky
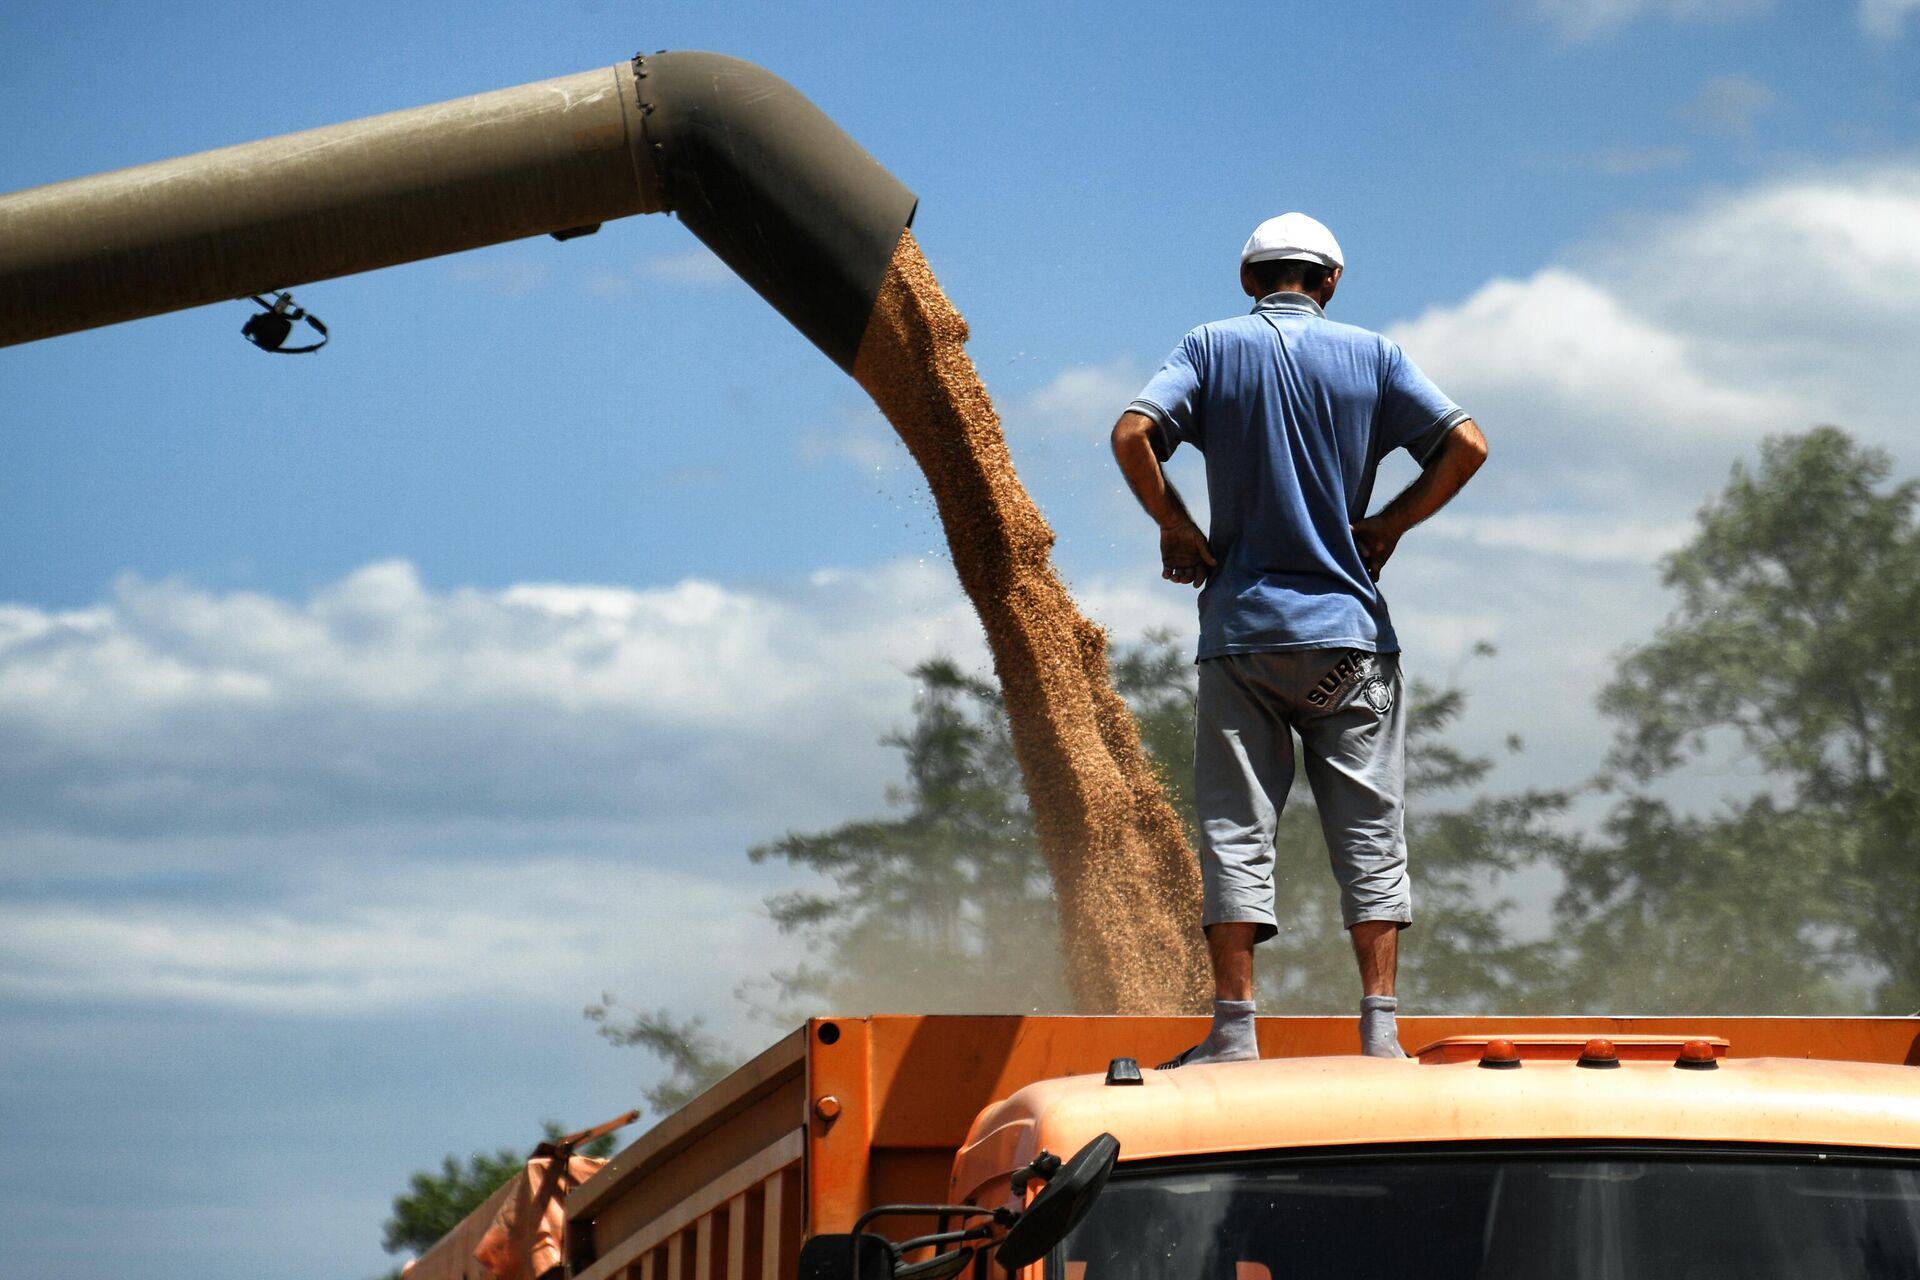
(570, 571)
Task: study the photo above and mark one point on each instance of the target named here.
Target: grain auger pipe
(754, 169)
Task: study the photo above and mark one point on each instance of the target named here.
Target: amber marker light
(1500, 1055)
(1599, 1054)
(1696, 1055)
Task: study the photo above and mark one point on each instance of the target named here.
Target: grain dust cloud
(1126, 882)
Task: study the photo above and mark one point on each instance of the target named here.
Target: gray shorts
(1347, 707)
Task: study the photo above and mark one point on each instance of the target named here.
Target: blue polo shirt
(1294, 413)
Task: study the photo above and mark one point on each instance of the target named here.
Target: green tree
(945, 908)
(694, 1057)
(1791, 644)
(1732, 912)
(436, 1200)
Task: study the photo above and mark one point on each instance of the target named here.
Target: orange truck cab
(1601, 1148)
(1562, 1156)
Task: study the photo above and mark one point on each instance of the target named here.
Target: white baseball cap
(1292, 236)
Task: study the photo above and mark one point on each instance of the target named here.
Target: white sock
(1379, 1028)
(1230, 1039)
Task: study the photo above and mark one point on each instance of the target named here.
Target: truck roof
(1339, 1101)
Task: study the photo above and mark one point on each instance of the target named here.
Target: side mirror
(1060, 1206)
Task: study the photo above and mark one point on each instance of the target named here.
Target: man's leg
(1242, 767)
(1376, 945)
(1356, 759)
(1230, 947)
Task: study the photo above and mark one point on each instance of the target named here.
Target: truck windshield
(1663, 1216)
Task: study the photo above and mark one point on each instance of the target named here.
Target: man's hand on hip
(1376, 537)
(1451, 466)
(1184, 554)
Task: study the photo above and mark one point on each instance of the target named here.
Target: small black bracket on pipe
(269, 329)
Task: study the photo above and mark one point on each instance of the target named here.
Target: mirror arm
(922, 1210)
(982, 1232)
(1000, 1216)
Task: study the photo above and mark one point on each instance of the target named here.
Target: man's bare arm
(1458, 457)
(1184, 556)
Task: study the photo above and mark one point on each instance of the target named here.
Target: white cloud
(1805, 290)
(1080, 402)
(526, 934)
(1569, 342)
(1854, 236)
(1594, 409)
(1577, 538)
(169, 707)
(1587, 19)
(1885, 19)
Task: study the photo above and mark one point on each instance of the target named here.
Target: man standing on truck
(1294, 413)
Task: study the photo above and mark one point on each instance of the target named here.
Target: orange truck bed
(847, 1113)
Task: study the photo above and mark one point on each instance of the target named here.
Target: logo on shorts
(1378, 696)
(1354, 662)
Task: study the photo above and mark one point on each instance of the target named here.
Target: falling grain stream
(1126, 882)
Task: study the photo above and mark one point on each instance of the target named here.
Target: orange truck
(909, 1148)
